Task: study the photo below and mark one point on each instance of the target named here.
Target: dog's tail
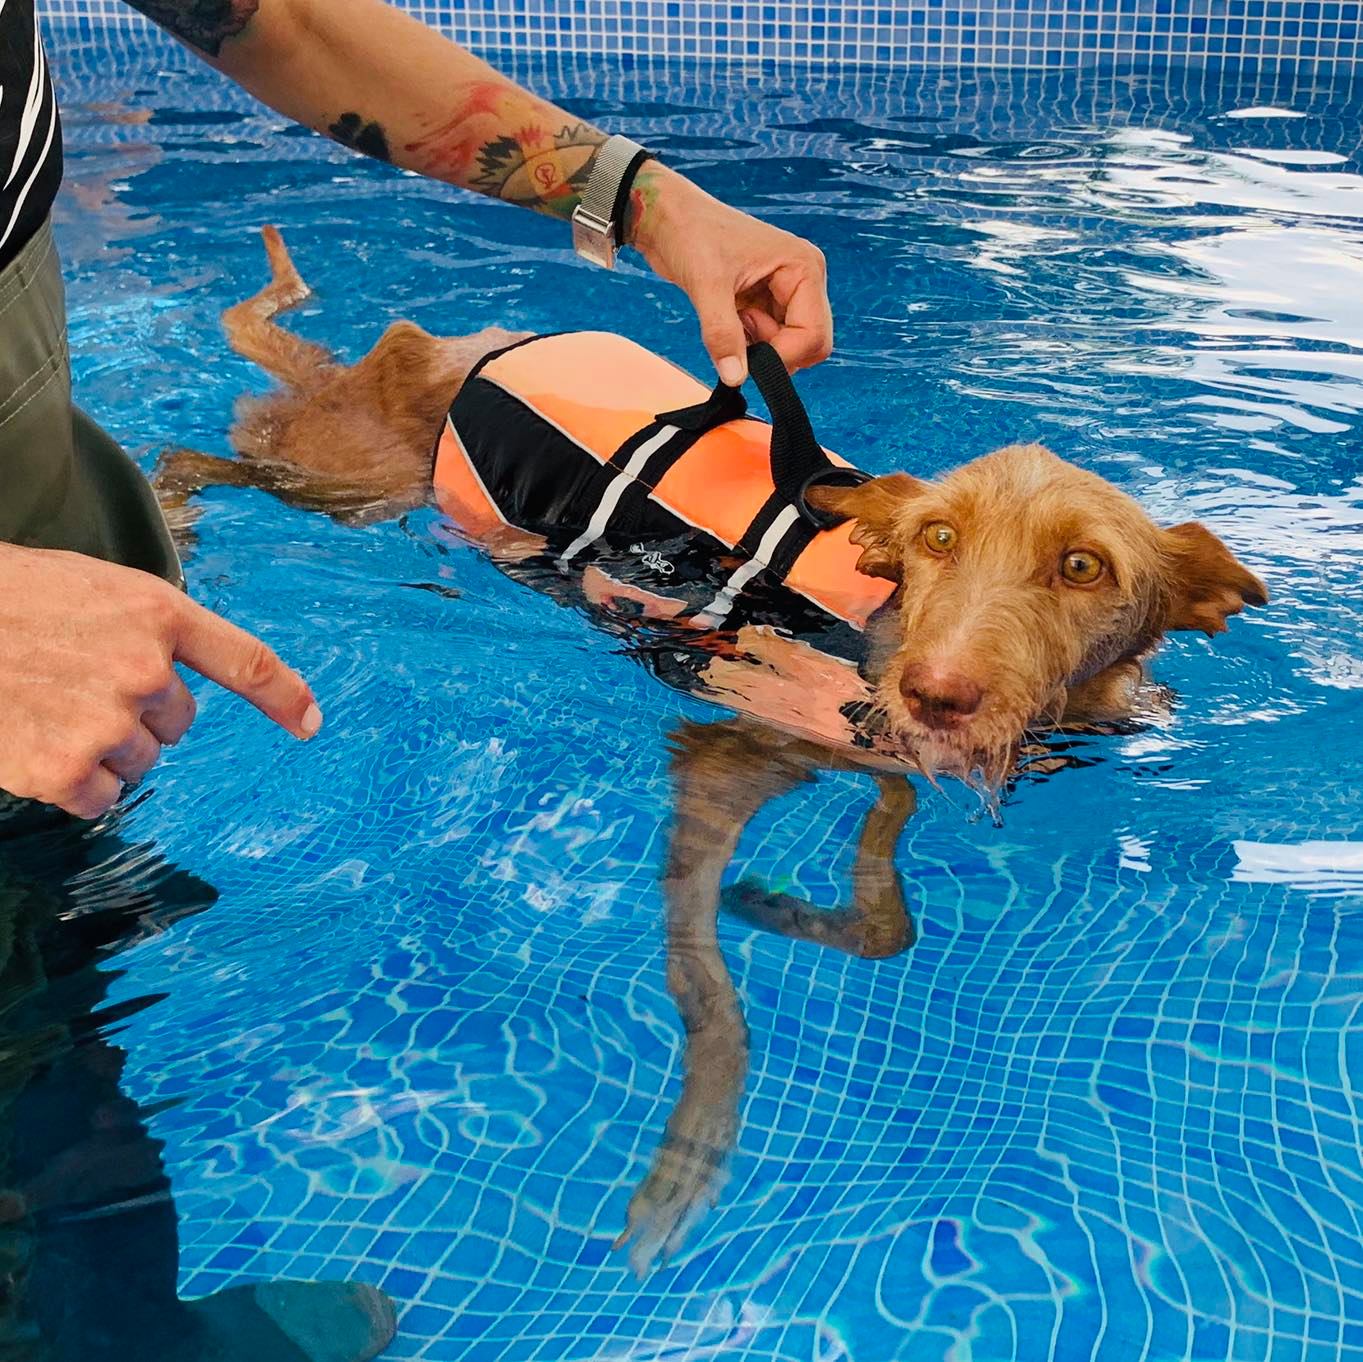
(253, 332)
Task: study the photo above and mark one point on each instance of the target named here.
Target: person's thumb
(242, 663)
(721, 330)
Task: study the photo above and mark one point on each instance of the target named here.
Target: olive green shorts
(64, 483)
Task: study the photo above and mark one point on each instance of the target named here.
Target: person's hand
(88, 691)
(746, 279)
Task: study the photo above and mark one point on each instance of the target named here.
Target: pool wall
(974, 33)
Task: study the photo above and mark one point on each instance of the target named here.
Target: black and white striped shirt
(30, 130)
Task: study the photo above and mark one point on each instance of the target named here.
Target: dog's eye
(1081, 567)
(939, 537)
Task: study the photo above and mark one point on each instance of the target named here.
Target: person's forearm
(384, 84)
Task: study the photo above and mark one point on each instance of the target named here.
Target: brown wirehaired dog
(1030, 591)
(1029, 594)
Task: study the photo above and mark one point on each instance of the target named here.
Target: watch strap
(608, 186)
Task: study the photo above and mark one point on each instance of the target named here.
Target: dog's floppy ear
(1206, 582)
(876, 507)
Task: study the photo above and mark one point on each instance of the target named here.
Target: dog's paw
(688, 1174)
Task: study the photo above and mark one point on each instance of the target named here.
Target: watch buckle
(593, 237)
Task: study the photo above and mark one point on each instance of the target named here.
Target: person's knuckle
(258, 666)
(186, 716)
(158, 605)
(86, 804)
(146, 672)
(65, 777)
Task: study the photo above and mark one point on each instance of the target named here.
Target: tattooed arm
(378, 81)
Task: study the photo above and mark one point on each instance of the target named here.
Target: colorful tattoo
(538, 169)
(350, 130)
(205, 24)
(643, 200)
(499, 142)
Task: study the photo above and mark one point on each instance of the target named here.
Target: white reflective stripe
(600, 521)
(719, 608)
(32, 174)
(473, 470)
(32, 105)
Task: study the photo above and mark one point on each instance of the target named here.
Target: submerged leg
(181, 474)
(877, 923)
(722, 775)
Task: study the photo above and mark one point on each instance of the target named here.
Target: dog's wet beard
(982, 769)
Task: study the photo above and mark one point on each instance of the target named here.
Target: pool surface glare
(1107, 1107)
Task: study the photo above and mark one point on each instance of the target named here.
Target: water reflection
(89, 1251)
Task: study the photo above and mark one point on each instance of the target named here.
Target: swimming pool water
(1107, 1107)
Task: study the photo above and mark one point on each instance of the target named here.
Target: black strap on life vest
(796, 456)
(798, 462)
(785, 524)
(723, 404)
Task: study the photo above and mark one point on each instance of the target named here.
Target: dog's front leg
(723, 774)
(1121, 692)
(877, 923)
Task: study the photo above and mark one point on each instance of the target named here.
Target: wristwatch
(601, 210)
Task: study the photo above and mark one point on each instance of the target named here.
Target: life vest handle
(795, 454)
(798, 460)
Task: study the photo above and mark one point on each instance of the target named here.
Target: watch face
(592, 243)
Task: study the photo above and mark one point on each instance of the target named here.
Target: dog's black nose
(939, 699)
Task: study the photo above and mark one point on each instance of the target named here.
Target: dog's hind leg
(253, 333)
(877, 923)
(180, 474)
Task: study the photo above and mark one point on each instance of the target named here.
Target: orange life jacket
(592, 440)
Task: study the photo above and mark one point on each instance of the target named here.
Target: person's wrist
(656, 203)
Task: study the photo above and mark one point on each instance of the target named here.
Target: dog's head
(1020, 577)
